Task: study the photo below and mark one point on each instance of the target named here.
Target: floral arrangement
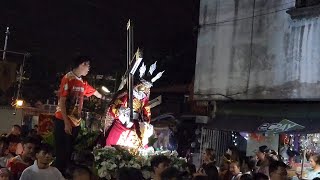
(86, 139)
(108, 160)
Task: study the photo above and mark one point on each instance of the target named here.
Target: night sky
(55, 31)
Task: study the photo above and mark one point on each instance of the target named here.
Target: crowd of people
(265, 165)
(24, 156)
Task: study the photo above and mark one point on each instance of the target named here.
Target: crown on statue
(146, 78)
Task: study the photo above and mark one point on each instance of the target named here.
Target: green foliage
(49, 139)
(86, 139)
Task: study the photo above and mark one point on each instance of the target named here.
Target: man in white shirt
(41, 168)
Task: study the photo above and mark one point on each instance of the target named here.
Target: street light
(18, 103)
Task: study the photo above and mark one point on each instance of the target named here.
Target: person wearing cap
(68, 115)
(4, 174)
(41, 169)
(263, 160)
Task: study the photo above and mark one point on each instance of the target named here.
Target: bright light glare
(105, 89)
(19, 103)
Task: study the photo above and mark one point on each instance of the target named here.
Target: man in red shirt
(68, 115)
(19, 163)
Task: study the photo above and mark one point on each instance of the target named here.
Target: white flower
(97, 158)
(110, 148)
(102, 173)
(183, 159)
(137, 166)
(166, 153)
(122, 164)
(108, 176)
(118, 157)
(113, 166)
(146, 174)
(150, 150)
(174, 153)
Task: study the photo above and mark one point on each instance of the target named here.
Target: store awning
(249, 116)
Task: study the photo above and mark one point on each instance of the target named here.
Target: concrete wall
(9, 117)
(282, 62)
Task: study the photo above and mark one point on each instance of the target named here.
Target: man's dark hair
(316, 158)
(80, 170)
(246, 177)
(79, 60)
(264, 149)
(17, 126)
(4, 141)
(192, 168)
(46, 148)
(260, 176)
(317, 178)
(156, 160)
(30, 140)
(171, 173)
(129, 173)
(201, 178)
(275, 165)
(13, 139)
(251, 163)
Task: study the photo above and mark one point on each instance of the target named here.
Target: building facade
(254, 49)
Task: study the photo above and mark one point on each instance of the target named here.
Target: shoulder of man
(27, 174)
(14, 160)
(56, 172)
(69, 76)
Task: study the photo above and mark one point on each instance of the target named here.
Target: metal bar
(212, 139)
(302, 162)
(203, 144)
(5, 45)
(130, 76)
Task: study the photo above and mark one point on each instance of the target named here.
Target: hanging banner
(7, 75)
(283, 126)
(256, 140)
